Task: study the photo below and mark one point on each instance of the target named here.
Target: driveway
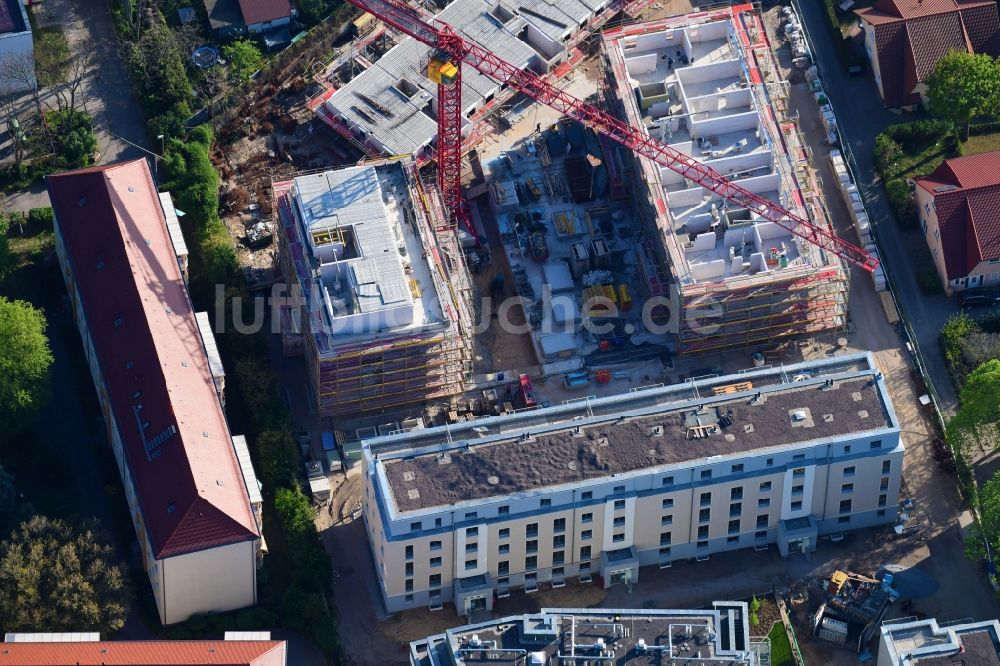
(860, 118)
(118, 120)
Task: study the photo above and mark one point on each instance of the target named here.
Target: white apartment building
(720, 635)
(603, 486)
(927, 643)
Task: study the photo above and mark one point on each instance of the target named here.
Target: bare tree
(68, 93)
(17, 74)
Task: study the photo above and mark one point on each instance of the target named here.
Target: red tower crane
(445, 67)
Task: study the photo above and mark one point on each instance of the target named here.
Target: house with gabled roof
(904, 39)
(193, 496)
(959, 209)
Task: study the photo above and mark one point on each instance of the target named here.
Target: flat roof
(619, 434)
(926, 643)
(372, 267)
(137, 311)
(401, 118)
(717, 636)
(688, 82)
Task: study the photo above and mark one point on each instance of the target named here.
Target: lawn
(781, 648)
(981, 143)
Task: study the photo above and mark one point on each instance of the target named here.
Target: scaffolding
(386, 371)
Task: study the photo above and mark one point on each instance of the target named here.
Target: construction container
(579, 260)
(352, 453)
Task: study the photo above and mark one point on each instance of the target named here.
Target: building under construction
(707, 85)
(383, 319)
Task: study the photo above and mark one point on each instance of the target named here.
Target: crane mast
(450, 51)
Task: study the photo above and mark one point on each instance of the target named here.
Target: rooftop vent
(799, 415)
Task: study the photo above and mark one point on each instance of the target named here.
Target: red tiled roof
(912, 35)
(259, 11)
(143, 653)
(177, 443)
(966, 194)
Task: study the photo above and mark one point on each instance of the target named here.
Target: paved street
(108, 93)
(861, 117)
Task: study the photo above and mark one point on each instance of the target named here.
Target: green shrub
(967, 346)
(902, 203)
(41, 217)
(929, 282)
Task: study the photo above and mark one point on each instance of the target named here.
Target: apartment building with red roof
(85, 649)
(959, 208)
(188, 488)
(904, 39)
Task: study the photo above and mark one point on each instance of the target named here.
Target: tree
(244, 58)
(963, 86)
(978, 399)
(25, 360)
(73, 136)
(55, 577)
(312, 11)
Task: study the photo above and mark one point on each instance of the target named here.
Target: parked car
(978, 297)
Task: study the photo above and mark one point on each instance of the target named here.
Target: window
(762, 521)
(706, 499)
(503, 548)
(559, 541)
(738, 468)
(530, 563)
(703, 532)
(437, 522)
(799, 456)
(849, 471)
(471, 531)
(706, 474)
(471, 564)
(665, 538)
(416, 526)
(736, 493)
(587, 518)
(765, 486)
(701, 544)
(503, 510)
(876, 444)
(409, 568)
(531, 546)
(798, 472)
(409, 585)
(435, 562)
(558, 557)
(732, 539)
(843, 520)
(667, 519)
(797, 505)
(797, 489)
(558, 571)
(763, 502)
(735, 509)
(886, 466)
(847, 488)
(584, 567)
(665, 552)
(619, 505)
(471, 515)
(619, 489)
(619, 521)
(770, 462)
(471, 547)
(884, 484)
(882, 499)
(586, 495)
(531, 530)
(880, 513)
(617, 538)
(734, 526)
(559, 525)
(847, 449)
(667, 503)
(434, 580)
(585, 553)
(704, 515)
(409, 552)
(504, 533)
(586, 535)
(530, 578)
(503, 568)
(761, 535)
(845, 506)
(409, 598)
(667, 481)
(545, 502)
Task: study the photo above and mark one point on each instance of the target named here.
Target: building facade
(188, 494)
(602, 487)
(621, 636)
(956, 205)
